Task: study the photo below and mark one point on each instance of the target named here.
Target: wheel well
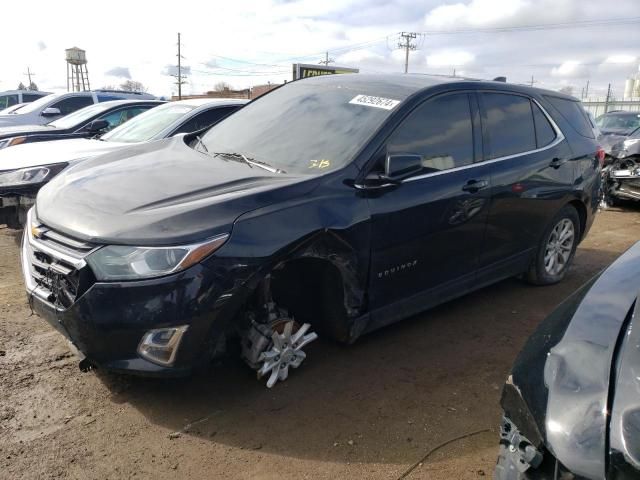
(312, 290)
(582, 214)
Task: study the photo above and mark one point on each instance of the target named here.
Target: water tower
(77, 74)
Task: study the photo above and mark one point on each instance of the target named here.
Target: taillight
(600, 156)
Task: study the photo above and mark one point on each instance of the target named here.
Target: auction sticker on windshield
(378, 102)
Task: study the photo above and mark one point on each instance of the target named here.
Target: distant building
(632, 86)
(250, 93)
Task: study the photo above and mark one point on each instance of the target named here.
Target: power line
(543, 26)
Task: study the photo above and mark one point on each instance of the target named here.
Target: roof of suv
(407, 84)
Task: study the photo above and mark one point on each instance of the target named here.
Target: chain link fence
(599, 106)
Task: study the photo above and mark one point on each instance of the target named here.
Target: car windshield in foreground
(79, 116)
(147, 125)
(304, 127)
(625, 123)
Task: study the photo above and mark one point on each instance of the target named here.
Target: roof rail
(106, 90)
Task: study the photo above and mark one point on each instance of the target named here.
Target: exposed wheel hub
(285, 351)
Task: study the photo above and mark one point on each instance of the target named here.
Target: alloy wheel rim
(559, 247)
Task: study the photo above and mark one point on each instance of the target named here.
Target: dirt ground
(417, 400)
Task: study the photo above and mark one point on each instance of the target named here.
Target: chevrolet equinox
(331, 206)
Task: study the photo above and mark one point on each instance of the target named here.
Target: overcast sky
(251, 42)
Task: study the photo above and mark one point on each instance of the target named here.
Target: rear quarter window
(573, 113)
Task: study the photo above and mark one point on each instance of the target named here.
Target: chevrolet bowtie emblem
(36, 231)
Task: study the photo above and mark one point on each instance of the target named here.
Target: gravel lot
(416, 400)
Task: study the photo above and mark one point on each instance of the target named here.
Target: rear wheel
(556, 248)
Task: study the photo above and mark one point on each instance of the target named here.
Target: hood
(609, 141)
(17, 130)
(564, 373)
(159, 193)
(47, 153)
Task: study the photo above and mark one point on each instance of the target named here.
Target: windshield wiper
(249, 161)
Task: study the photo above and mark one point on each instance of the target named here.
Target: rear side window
(8, 101)
(30, 97)
(108, 98)
(440, 131)
(545, 134)
(573, 113)
(509, 122)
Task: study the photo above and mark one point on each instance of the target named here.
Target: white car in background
(56, 105)
(25, 168)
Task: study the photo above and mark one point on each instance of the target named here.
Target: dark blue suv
(332, 206)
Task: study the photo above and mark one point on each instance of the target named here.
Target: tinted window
(440, 131)
(573, 113)
(544, 131)
(8, 100)
(72, 104)
(509, 122)
(108, 98)
(30, 97)
(205, 119)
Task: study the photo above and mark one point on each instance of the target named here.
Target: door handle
(556, 162)
(473, 186)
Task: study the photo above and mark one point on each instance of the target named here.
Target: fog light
(161, 345)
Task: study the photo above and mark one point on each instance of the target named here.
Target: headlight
(10, 142)
(30, 176)
(119, 262)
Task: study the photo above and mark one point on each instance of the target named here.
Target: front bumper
(107, 320)
(13, 209)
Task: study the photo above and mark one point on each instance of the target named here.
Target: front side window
(118, 117)
(78, 117)
(440, 131)
(71, 104)
(509, 123)
(205, 119)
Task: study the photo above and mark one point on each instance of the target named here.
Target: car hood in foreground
(159, 193)
(564, 373)
(47, 153)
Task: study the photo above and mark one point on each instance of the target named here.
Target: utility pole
(606, 102)
(29, 74)
(586, 91)
(179, 76)
(532, 81)
(407, 45)
(326, 60)
(454, 72)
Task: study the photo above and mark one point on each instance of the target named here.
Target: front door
(427, 232)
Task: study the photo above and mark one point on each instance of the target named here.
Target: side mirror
(401, 166)
(51, 112)
(97, 126)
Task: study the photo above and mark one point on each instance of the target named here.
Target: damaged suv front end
(570, 410)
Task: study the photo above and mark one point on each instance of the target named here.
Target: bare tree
(221, 87)
(133, 86)
(21, 86)
(33, 86)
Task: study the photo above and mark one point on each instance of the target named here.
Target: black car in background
(572, 401)
(87, 122)
(337, 204)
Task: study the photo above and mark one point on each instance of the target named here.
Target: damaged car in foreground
(622, 175)
(329, 206)
(572, 401)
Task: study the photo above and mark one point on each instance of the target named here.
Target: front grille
(55, 266)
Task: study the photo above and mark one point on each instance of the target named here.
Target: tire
(545, 270)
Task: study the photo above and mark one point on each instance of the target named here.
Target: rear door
(531, 179)
(427, 231)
